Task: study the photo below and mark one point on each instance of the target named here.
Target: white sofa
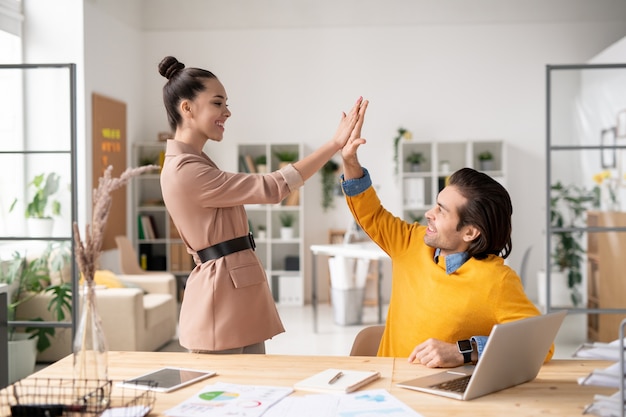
(142, 318)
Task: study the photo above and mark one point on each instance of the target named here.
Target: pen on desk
(335, 378)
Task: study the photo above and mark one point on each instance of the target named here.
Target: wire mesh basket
(49, 397)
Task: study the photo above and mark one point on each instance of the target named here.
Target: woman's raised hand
(347, 124)
(348, 152)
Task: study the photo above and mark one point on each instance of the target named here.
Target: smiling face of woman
(442, 224)
(207, 113)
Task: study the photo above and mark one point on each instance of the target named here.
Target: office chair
(367, 341)
(129, 263)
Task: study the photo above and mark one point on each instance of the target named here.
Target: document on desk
(377, 402)
(607, 377)
(605, 406)
(599, 350)
(224, 399)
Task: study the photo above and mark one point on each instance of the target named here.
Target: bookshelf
(159, 247)
(282, 255)
(421, 184)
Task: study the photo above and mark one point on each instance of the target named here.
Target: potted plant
(568, 205)
(262, 232)
(42, 206)
(286, 157)
(286, 220)
(485, 160)
(415, 160)
(402, 133)
(261, 164)
(329, 182)
(26, 278)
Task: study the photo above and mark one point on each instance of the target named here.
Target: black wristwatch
(466, 348)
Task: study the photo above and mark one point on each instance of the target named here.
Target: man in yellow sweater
(449, 281)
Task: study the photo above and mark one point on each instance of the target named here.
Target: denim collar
(454, 261)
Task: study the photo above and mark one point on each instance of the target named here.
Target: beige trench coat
(227, 302)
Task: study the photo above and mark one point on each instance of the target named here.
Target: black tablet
(166, 379)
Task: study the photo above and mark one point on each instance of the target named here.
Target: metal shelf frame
(4, 323)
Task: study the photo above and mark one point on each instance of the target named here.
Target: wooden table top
(555, 392)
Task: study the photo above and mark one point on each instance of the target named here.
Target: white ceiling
(254, 14)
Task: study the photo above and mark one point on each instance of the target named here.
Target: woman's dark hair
(183, 84)
(488, 208)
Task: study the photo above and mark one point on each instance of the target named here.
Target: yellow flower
(601, 176)
(407, 135)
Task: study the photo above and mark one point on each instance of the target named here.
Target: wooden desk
(555, 392)
(368, 250)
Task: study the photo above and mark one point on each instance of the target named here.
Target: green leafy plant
(415, 158)
(31, 277)
(286, 156)
(402, 133)
(568, 205)
(287, 219)
(260, 160)
(329, 181)
(485, 156)
(41, 205)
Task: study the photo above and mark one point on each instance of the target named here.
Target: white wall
(442, 82)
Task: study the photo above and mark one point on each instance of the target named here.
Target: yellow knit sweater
(425, 301)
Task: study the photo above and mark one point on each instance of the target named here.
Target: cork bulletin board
(109, 148)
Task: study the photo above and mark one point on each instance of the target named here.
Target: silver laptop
(513, 355)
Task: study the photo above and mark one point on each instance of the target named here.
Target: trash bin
(348, 305)
(347, 281)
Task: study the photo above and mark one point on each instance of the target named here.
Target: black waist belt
(227, 247)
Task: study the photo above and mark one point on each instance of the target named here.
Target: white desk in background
(364, 250)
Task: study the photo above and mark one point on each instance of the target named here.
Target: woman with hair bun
(227, 306)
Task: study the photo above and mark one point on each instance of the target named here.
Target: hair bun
(169, 66)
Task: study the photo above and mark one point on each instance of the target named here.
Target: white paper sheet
(223, 399)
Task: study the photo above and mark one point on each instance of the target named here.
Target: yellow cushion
(106, 278)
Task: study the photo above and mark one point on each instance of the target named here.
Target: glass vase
(90, 347)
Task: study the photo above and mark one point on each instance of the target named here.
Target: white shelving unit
(421, 186)
(282, 257)
(166, 251)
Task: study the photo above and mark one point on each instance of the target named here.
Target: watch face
(464, 346)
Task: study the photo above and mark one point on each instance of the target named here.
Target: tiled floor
(335, 340)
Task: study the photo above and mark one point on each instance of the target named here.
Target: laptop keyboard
(456, 385)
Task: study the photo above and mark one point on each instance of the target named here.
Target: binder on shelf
(243, 167)
(147, 224)
(175, 257)
(414, 191)
(140, 233)
(250, 164)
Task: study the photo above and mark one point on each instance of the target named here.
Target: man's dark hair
(488, 208)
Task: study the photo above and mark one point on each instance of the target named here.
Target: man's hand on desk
(435, 353)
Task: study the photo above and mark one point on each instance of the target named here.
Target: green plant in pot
(261, 163)
(415, 160)
(285, 156)
(29, 277)
(485, 159)
(26, 279)
(329, 183)
(287, 221)
(42, 206)
(568, 205)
